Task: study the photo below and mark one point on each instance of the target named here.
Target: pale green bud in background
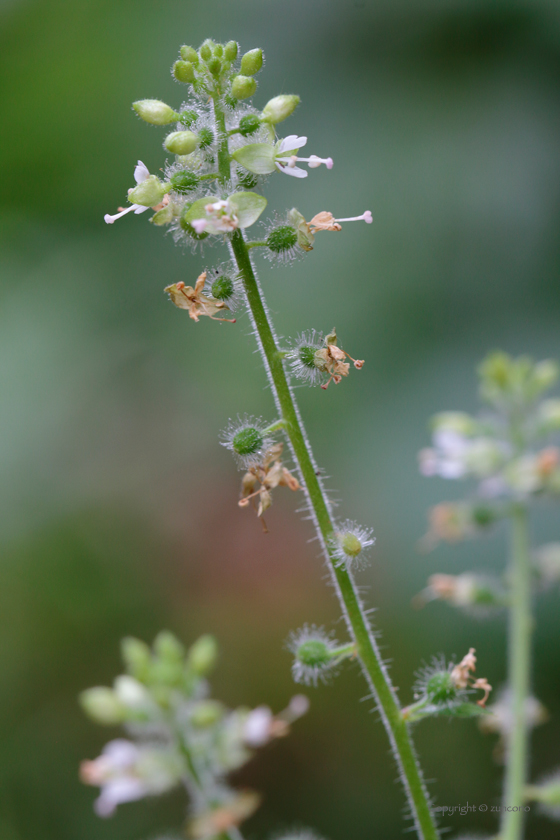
(189, 54)
(181, 142)
(545, 374)
(549, 415)
(230, 51)
(183, 71)
(207, 713)
(454, 421)
(168, 647)
(102, 705)
(134, 696)
(148, 193)
(243, 86)
(136, 656)
(202, 655)
(280, 108)
(251, 62)
(154, 112)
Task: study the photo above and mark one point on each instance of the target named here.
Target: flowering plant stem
(519, 656)
(367, 650)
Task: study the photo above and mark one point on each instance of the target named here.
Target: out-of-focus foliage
(119, 508)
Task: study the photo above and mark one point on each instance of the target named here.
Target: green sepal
(256, 157)
(163, 216)
(248, 207)
(148, 193)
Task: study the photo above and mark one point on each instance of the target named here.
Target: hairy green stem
(366, 647)
(519, 675)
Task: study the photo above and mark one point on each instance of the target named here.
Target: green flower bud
(202, 655)
(249, 124)
(183, 71)
(102, 705)
(181, 142)
(251, 62)
(148, 193)
(168, 647)
(215, 66)
(545, 374)
(230, 51)
(218, 50)
(243, 86)
(206, 50)
(280, 108)
(189, 54)
(154, 112)
(184, 182)
(248, 441)
(207, 713)
(137, 657)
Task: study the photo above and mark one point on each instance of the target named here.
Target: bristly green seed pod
(316, 653)
(280, 108)
(223, 287)
(243, 86)
(206, 136)
(189, 54)
(155, 112)
(251, 62)
(183, 71)
(248, 438)
(230, 51)
(202, 656)
(184, 181)
(188, 117)
(282, 239)
(181, 142)
(215, 66)
(249, 124)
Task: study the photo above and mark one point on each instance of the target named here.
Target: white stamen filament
(366, 217)
(313, 161)
(133, 207)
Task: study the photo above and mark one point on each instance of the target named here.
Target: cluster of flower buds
(314, 358)
(316, 654)
(178, 734)
(508, 451)
(477, 594)
(444, 689)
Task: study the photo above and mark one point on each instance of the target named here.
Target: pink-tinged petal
(329, 163)
(116, 792)
(141, 172)
(292, 142)
(199, 225)
(295, 171)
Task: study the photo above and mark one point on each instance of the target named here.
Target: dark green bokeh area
(119, 511)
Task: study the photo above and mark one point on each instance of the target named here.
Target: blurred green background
(119, 511)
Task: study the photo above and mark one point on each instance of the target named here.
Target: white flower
(257, 729)
(220, 218)
(287, 163)
(126, 772)
(141, 174)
